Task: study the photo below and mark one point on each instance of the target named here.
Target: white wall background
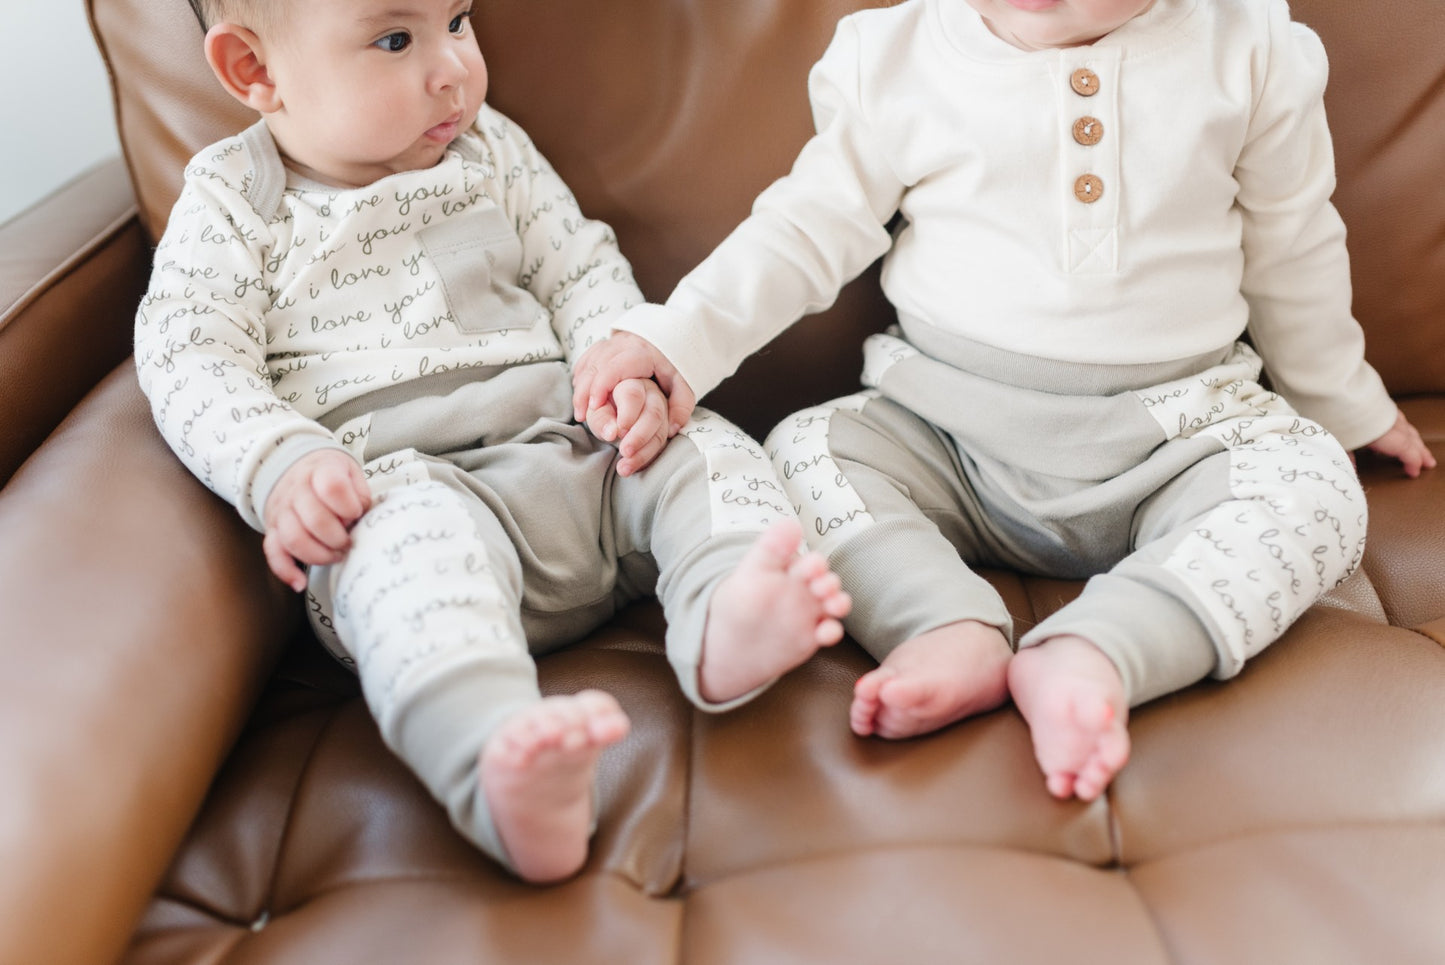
(55, 109)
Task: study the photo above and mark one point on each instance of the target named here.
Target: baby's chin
(423, 155)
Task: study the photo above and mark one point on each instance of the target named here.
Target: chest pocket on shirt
(478, 257)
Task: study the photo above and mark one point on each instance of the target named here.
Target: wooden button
(1088, 188)
(1084, 82)
(1088, 131)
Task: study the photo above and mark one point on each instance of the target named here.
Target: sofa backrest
(1386, 102)
(667, 117)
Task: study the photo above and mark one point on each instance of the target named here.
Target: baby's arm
(637, 411)
(623, 356)
(809, 234)
(201, 342)
(582, 278)
(1403, 442)
(310, 511)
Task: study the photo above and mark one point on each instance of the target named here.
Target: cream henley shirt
(1207, 214)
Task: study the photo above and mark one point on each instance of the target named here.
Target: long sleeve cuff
(1356, 414)
(678, 339)
(274, 467)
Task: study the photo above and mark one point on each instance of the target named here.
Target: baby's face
(369, 88)
(1045, 24)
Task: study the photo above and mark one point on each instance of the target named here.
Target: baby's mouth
(446, 131)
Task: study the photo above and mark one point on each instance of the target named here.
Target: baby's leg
(537, 771)
(1073, 699)
(887, 502)
(932, 680)
(427, 605)
(1229, 553)
(708, 526)
(769, 615)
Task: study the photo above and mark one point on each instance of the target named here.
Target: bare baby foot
(536, 773)
(1073, 699)
(770, 615)
(932, 680)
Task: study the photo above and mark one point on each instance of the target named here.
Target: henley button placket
(1088, 188)
(1090, 217)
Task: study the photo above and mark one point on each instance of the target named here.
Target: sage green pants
(1204, 512)
(500, 530)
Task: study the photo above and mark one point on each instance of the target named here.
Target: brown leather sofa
(187, 779)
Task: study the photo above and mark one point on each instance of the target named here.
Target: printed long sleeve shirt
(274, 300)
(1146, 198)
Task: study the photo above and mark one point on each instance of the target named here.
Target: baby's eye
(459, 23)
(394, 43)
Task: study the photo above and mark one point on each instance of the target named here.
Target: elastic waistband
(437, 383)
(1051, 375)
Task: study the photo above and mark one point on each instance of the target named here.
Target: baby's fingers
(602, 421)
(314, 532)
(680, 403)
(294, 535)
(583, 392)
(282, 563)
(643, 454)
(602, 367)
(340, 487)
(633, 401)
(1416, 457)
(1404, 442)
(647, 435)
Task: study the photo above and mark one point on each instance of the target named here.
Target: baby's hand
(637, 412)
(1403, 442)
(626, 356)
(310, 511)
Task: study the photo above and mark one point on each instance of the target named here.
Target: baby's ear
(238, 60)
